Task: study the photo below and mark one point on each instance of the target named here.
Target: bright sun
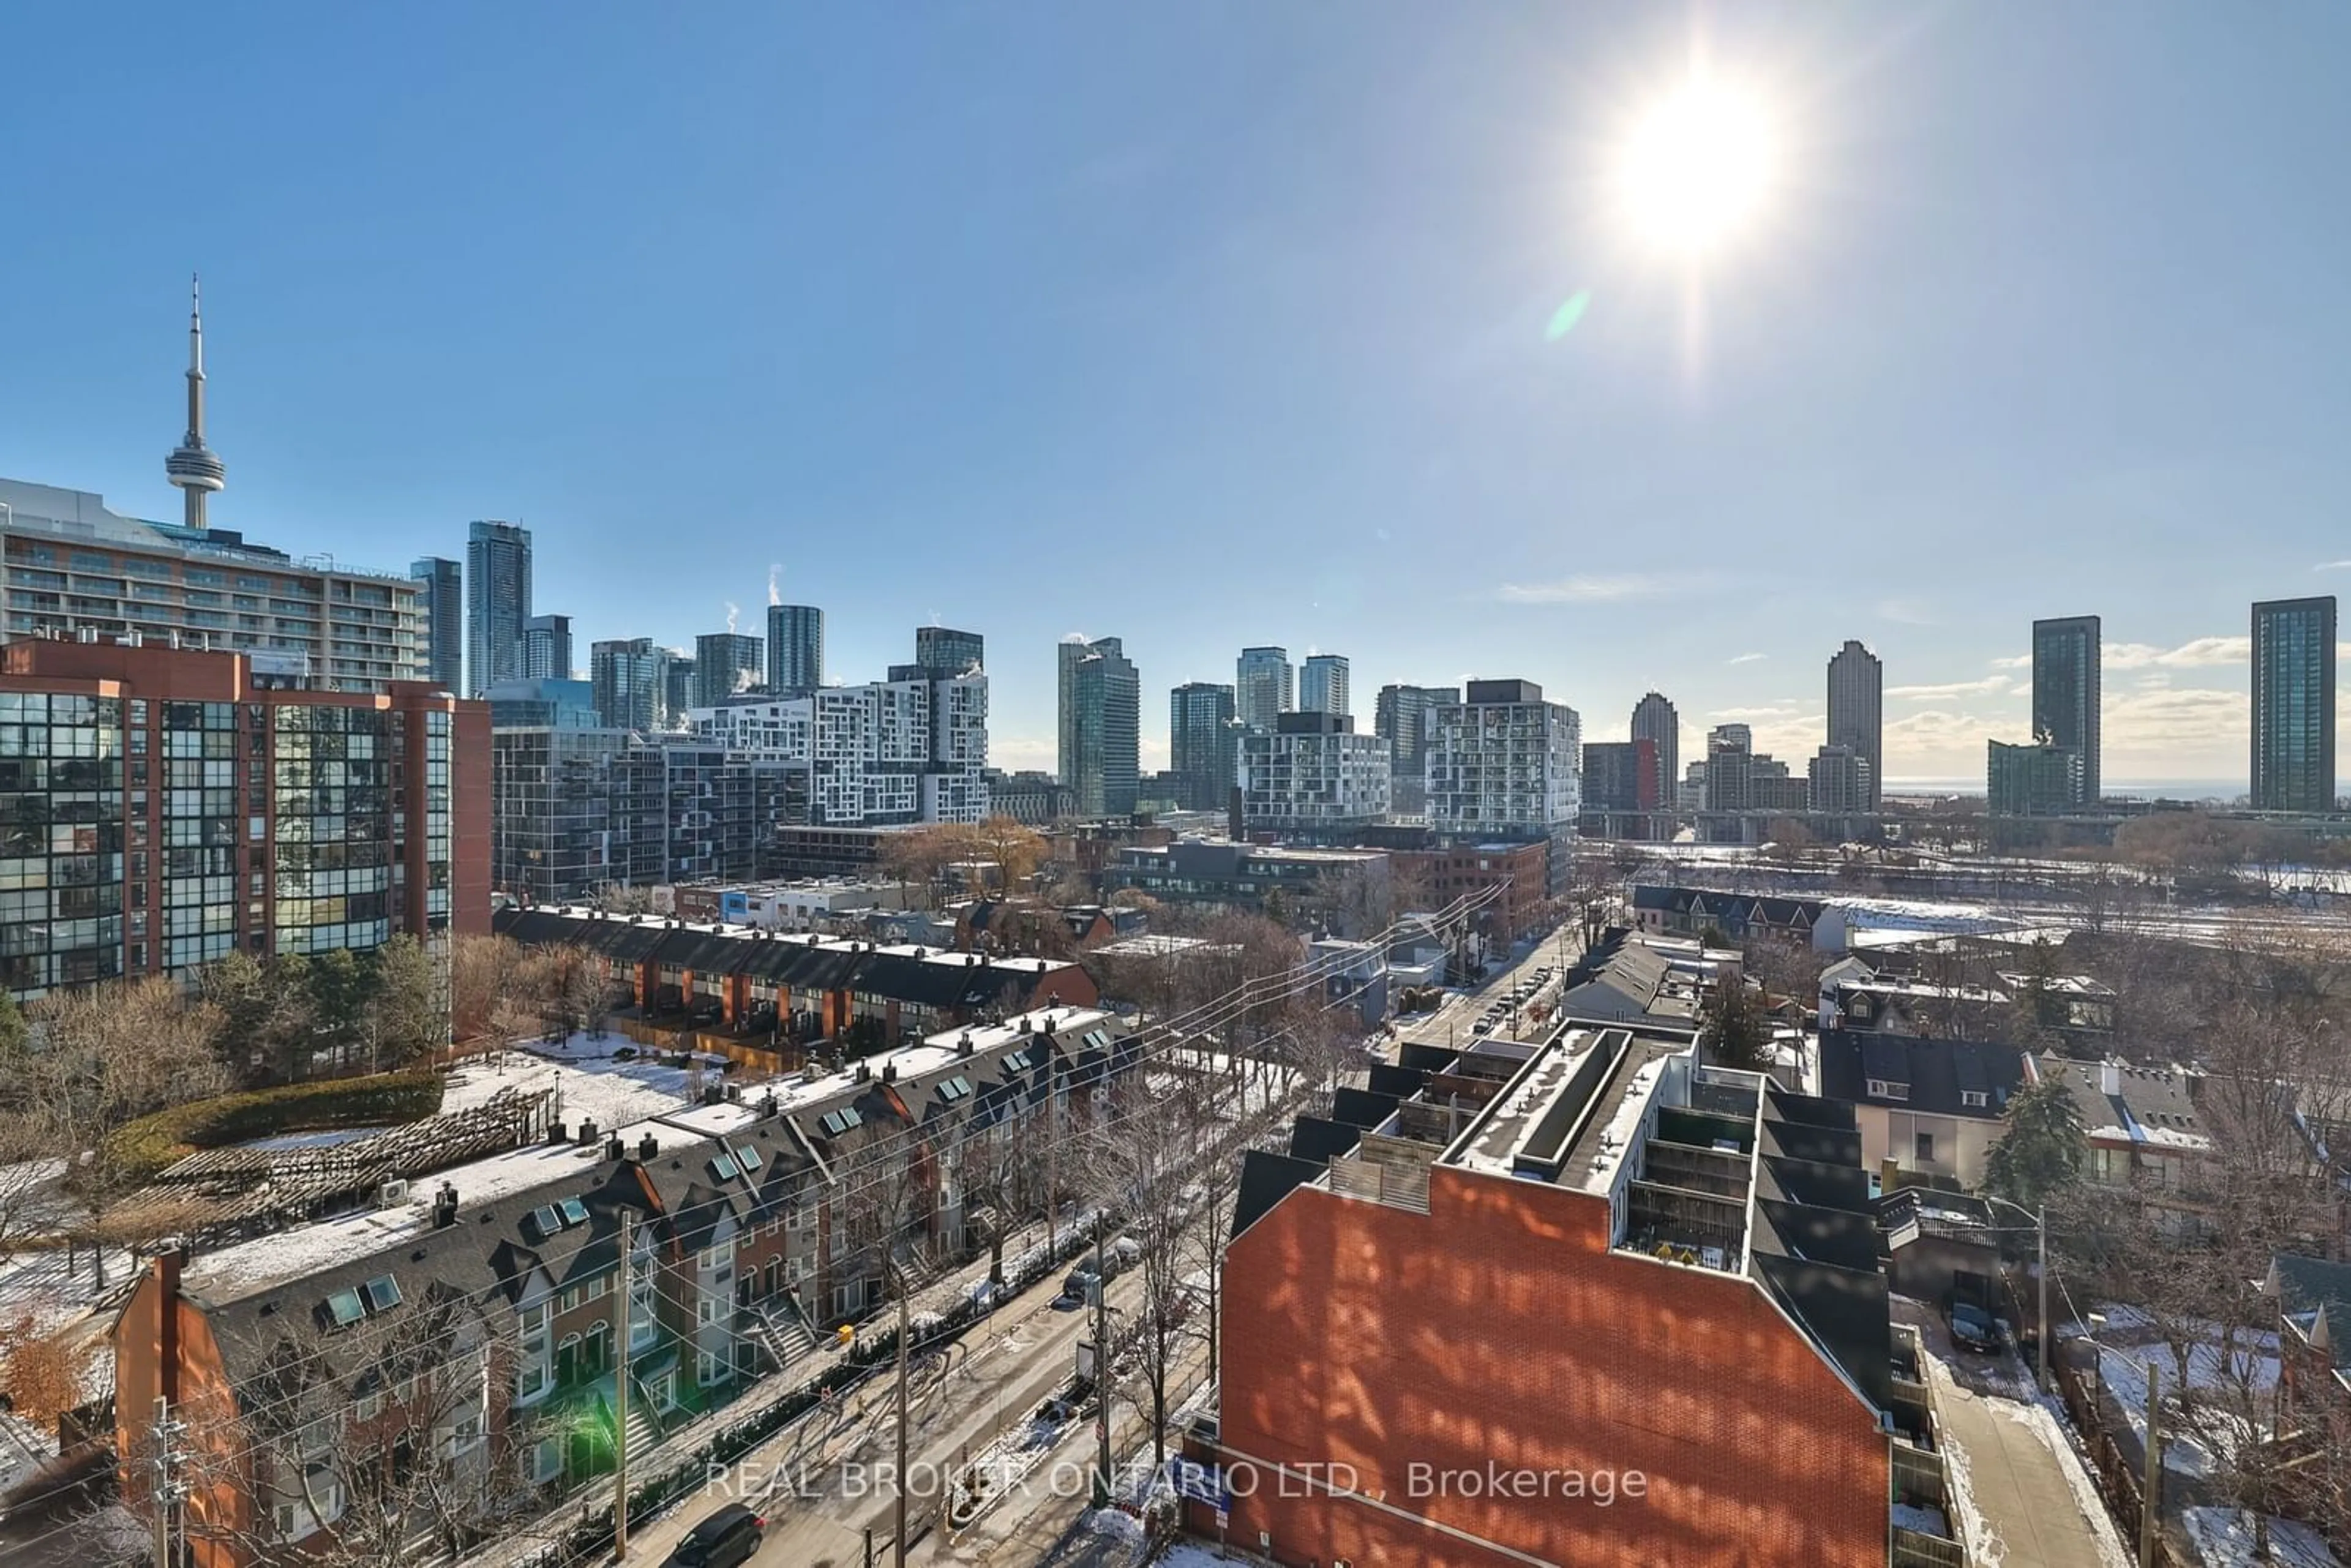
(1698, 166)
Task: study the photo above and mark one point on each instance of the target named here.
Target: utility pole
(2041, 1220)
(899, 1507)
(2150, 1496)
(165, 1489)
(620, 1400)
(1102, 1361)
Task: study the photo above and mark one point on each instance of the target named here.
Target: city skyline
(1422, 401)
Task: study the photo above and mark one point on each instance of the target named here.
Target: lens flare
(1698, 166)
(1563, 319)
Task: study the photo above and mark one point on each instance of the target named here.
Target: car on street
(725, 1538)
(1972, 1328)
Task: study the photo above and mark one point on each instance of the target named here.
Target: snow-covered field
(2224, 1538)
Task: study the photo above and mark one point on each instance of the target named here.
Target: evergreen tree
(2040, 1152)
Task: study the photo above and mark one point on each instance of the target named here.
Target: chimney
(889, 1072)
(2110, 1077)
(614, 1149)
(963, 1046)
(555, 1132)
(648, 1149)
(587, 1133)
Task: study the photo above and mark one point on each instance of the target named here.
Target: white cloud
(1015, 753)
(1745, 658)
(1909, 611)
(1988, 686)
(2197, 653)
(2015, 662)
(2332, 566)
(1941, 744)
(1585, 590)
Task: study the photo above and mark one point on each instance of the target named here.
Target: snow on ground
(35, 1283)
(2040, 1414)
(2224, 1538)
(2197, 1442)
(1194, 1555)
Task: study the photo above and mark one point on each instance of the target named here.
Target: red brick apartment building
(1520, 871)
(1500, 1283)
(161, 807)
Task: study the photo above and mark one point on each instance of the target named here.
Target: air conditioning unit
(391, 1193)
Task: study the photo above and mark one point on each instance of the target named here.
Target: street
(1450, 1024)
(825, 1481)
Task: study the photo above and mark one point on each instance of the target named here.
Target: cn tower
(194, 467)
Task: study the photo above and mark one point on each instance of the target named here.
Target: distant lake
(2145, 788)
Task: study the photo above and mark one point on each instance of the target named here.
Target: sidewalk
(2025, 1500)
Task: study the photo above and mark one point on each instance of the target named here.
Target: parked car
(723, 1540)
(1082, 1283)
(1972, 1328)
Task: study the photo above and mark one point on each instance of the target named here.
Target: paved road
(2034, 1503)
(819, 1507)
(1450, 1025)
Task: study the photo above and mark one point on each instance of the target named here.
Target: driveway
(2025, 1496)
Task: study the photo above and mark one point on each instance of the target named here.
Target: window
(1974, 1097)
(714, 1258)
(709, 1367)
(465, 1434)
(1926, 1148)
(367, 1407)
(1879, 1088)
(709, 1309)
(544, 1462)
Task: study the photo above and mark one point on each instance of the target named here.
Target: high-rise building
(1857, 712)
(725, 663)
(99, 732)
(441, 588)
(1504, 762)
(1840, 781)
(1322, 684)
(1261, 690)
(2065, 696)
(546, 648)
(1400, 717)
(2042, 780)
(76, 569)
(1653, 718)
(795, 647)
(628, 677)
(943, 651)
(543, 703)
(2294, 705)
(680, 682)
(1203, 744)
(498, 602)
(911, 749)
(1621, 775)
(1312, 774)
(1100, 714)
(1738, 777)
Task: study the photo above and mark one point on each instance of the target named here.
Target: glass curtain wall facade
(2294, 705)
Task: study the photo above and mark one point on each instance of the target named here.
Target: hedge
(137, 1150)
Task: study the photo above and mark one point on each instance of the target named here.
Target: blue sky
(1213, 325)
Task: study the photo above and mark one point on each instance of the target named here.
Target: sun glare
(1698, 166)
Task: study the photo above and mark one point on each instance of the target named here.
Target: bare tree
(367, 1444)
(1142, 1165)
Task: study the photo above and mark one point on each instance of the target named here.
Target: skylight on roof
(747, 1156)
(344, 1307)
(574, 1211)
(383, 1293)
(724, 1168)
(955, 1089)
(546, 1220)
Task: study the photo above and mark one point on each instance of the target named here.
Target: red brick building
(160, 808)
(1521, 870)
(1502, 1286)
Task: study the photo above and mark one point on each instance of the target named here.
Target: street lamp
(2040, 1218)
(2150, 1496)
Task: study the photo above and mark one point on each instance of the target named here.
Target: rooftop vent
(648, 1147)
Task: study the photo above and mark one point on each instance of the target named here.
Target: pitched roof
(1935, 1075)
(2315, 1296)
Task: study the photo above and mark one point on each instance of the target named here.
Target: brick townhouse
(467, 1329)
(1467, 1307)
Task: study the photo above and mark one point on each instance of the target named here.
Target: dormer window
(1880, 1089)
(1974, 1097)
